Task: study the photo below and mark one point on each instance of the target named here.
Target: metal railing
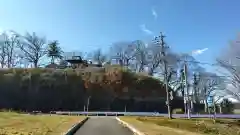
(233, 116)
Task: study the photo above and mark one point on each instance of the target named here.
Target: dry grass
(164, 126)
(25, 124)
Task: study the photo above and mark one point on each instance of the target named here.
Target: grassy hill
(69, 89)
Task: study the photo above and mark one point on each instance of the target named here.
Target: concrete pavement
(103, 126)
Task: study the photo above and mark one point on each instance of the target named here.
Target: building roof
(75, 60)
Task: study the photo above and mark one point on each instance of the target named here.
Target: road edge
(134, 130)
(75, 127)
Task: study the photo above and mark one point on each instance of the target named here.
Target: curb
(75, 127)
(134, 130)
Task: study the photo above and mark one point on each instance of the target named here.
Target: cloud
(199, 51)
(154, 13)
(145, 30)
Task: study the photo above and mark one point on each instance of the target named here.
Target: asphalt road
(103, 126)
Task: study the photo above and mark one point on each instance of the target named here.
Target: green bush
(227, 106)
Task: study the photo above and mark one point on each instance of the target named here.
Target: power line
(210, 64)
(205, 63)
(209, 76)
(205, 75)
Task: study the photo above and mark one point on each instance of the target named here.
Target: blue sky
(85, 25)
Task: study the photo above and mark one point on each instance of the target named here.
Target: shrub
(227, 106)
(68, 89)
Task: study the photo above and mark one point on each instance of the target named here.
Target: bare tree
(33, 47)
(140, 56)
(192, 67)
(209, 84)
(99, 57)
(123, 53)
(11, 41)
(154, 57)
(187, 80)
(230, 63)
(2, 52)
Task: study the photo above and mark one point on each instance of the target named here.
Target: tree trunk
(35, 64)
(2, 64)
(52, 60)
(214, 113)
(141, 68)
(121, 62)
(150, 72)
(185, 108)
(220, 109)
(205, 106)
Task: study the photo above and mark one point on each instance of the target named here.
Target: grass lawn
(164, 126)
(25, 124)
(237, 111)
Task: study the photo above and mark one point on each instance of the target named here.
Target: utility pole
(195, 83)
(196, 92)
(182, 77)
(163, 47)
(187, 92)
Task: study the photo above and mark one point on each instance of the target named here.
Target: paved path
(103, 126)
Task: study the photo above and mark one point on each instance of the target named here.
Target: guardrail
(74, 129)
(233, 116)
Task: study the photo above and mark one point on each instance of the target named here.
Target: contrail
(154, 13)
(199, 51)
(145, 30)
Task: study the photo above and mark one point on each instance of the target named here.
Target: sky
(202, 26)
